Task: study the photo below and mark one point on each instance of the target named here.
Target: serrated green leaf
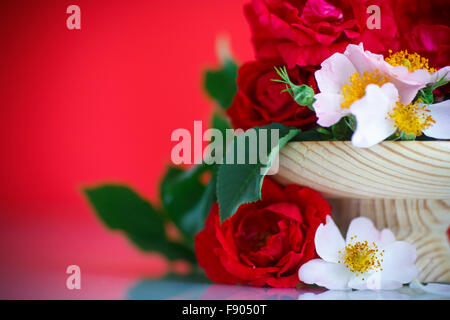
(120, 208)
(221, 84)
(241, 183)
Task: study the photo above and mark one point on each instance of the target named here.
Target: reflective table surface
(181, 290)
(35, 256)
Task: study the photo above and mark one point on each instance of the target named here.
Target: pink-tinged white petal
(438, 75)
(330, 275)
(434, 288)
(373, 281)
(329, 241)
(334, 74)
(386, 237)
(362, 229)
(364, 60)
(371, 112)
(408, 83)
(357, 282)
(398, 262)
(328, 108)
(377, 282)
(440, 112)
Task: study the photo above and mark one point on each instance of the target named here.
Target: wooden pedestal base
(422, 223)
(384, 183)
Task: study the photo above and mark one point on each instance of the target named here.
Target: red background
(86, 106)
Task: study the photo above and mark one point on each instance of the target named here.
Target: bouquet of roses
(363, 71)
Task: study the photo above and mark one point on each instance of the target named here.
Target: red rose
(424, 27)
(306, 32)
(259, 100)
(265, 242)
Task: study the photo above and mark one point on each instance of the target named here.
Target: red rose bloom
(265, 242)
(259, 100)
(306, 32)
(424, 27)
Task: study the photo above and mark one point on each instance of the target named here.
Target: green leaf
(351, 122)
(194, 219)
(341, 130)
(120, 208)
(425, 138)
(185, 198)
(426, 95)
(221, 84)
(407, 137)
(221, 123)
(440, 82)
(393, 137)
(316, 134)
(241, 183)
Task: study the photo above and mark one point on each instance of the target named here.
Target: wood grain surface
(403, 186)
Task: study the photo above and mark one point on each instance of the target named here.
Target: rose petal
(377, 282)
(282, 282)
(441, 114)
(362, 229)
(398, 262)
(236, 268)
(386, 237)
(364, 60)
(205, 245)
(330, 275)
(357, 282)
(408, 83)
(371, 112)
(373, 281)
(328, 108)
(329, 241)
(286, 210)
(334, 74)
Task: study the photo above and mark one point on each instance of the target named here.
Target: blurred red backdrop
(92, 105)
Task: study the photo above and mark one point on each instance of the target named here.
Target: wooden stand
(403, 186)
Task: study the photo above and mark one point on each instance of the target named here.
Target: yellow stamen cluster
(356, 88)
(361, 257)
(412, 61)
(412, 118)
